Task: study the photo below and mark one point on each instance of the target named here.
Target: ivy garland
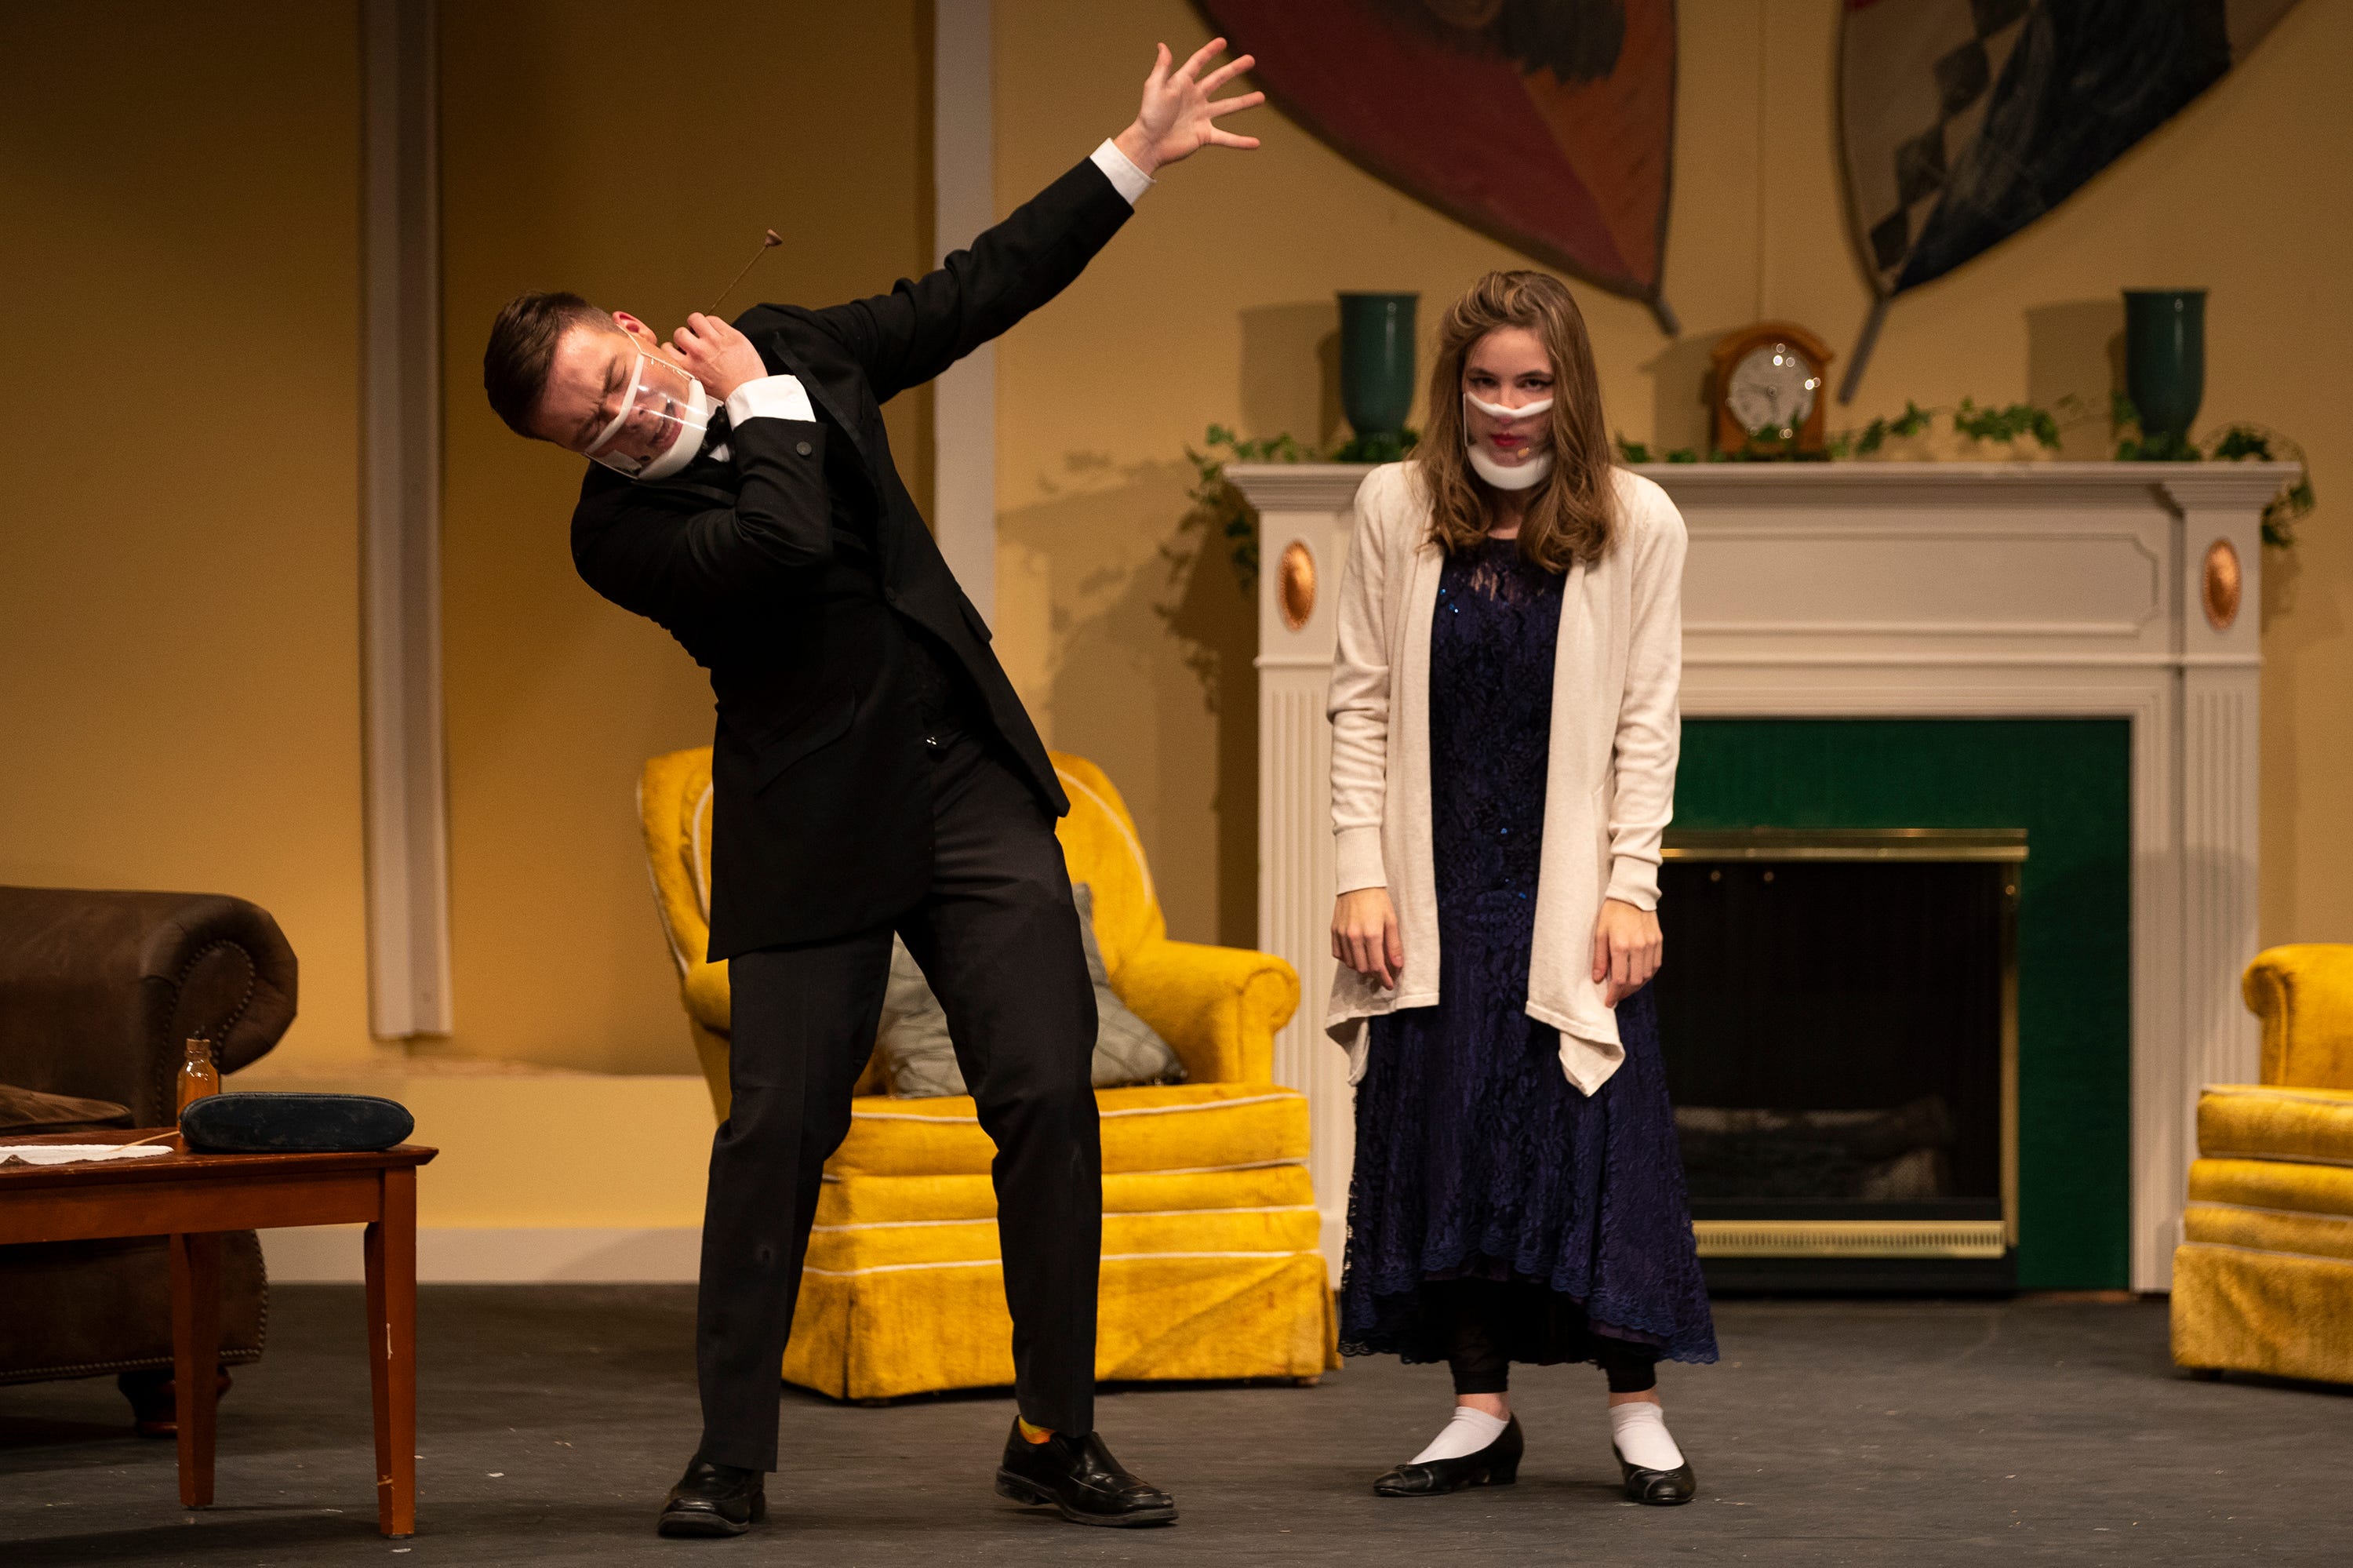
(2233, 443)
(2239, 442)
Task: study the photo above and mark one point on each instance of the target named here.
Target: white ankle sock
(1640, 1430)
(1469, 1431)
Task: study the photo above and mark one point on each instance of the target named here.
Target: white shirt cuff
(1121, 171)
(770, 397)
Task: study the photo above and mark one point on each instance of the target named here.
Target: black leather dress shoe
(715, 1499)
(1078, 1478)
(1496, 1465)
(1662, 1489)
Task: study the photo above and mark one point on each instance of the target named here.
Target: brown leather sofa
(98, 993)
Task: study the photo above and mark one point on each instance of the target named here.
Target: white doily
(73, 1153)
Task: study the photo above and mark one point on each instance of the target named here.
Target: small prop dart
(766, 245)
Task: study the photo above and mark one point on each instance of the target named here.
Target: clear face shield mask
(1530, 470)
(661, 424)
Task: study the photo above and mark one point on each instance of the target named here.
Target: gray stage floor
(1832, 1431)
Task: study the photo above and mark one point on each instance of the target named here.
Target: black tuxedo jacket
(786, 569)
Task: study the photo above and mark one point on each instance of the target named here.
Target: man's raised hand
(1175, 119)
(716, 355)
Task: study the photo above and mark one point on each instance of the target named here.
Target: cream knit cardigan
(1609, 785)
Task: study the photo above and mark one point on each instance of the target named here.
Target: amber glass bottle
(198, 1075)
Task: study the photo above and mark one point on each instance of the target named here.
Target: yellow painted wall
(1216, 304)
(642, 177)
(179, 231)
(179, 546)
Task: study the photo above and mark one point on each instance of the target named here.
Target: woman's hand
(1627, 949)
(1365, 934)
(1174, 121)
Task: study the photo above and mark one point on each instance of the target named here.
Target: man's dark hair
(523, 345)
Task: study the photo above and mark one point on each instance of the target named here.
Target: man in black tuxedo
(872, 772)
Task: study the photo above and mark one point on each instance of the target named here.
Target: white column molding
(964, 400)
(2220, 744)
(406, 801)
(1308, 506)
(1893, 590)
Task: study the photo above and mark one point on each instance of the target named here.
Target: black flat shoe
(715, 1499)
(1662, 1489)
(1496, 1465)
(1078, 1478)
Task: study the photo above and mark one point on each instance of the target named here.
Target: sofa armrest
(2304, 994)
(99, 990)
(1220, 1007)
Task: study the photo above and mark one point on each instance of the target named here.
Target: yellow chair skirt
(1204, 1275)
(2249, 1309)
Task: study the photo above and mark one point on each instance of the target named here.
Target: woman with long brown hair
(1504, 742)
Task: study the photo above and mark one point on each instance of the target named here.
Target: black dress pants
(998, 937)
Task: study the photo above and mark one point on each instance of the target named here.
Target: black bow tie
(715, 433)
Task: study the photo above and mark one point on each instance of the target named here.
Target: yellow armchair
(1211, 1261)
(2262, 1281)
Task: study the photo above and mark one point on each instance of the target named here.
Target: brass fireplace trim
(1881, 1238)
(1846, 844)
(1852, 1238)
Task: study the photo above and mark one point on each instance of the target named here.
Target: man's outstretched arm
(908, 336)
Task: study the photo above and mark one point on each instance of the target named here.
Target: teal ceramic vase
(1377, 365)
(2164, 363)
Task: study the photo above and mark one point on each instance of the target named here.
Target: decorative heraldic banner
(1964, 121)
(1546, 123)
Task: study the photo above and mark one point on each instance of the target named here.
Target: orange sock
(1032, 1433)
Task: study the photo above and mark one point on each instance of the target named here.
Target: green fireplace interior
(2068, 783)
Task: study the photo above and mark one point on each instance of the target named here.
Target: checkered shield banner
(1964, 121)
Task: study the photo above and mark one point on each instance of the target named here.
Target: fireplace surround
(1899, 591)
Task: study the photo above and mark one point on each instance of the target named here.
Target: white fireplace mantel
(1887, 590)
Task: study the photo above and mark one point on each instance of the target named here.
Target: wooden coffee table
(190, 1199)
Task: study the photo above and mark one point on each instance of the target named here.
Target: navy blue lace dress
(1476, 1158)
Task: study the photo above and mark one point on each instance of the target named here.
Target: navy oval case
(270, 1122)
